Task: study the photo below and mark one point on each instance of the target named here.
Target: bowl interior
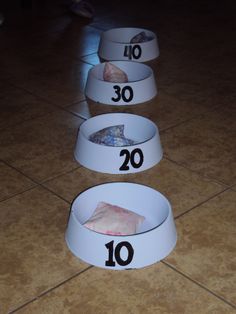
(135, 197)
(125, 34)
(136, 127)
(135, 71)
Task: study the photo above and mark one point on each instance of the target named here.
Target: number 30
(126, 93)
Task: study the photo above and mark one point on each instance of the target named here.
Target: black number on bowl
(126, 93)
(130, 158)
(132, 52)
(115, 254)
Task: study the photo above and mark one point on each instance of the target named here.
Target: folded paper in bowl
(114, 220)
(111, 136)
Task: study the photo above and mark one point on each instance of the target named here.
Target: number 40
(132, 51)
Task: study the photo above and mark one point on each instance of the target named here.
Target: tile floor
(45, 55)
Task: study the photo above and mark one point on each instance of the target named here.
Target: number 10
(110, 246)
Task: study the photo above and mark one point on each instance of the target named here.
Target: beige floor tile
(61, 89)
(155, 289)
(192, 91)
(180, 75)
(43, 147)
(233, 187)
(76, 41)
(81, 109)
(73, 41)
(205, 144)
(12, 182)
(206, 245)
(18, 106)
(34, 256)
(48, 65)
(193, 68)
(59, 80)
(183, 188)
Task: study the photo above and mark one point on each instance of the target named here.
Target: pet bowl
(154, 240)
(144, 154)
(115, 45)
(141, 85)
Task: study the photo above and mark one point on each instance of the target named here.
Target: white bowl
(141, 85)
(115, 45)
(124, 159)
(153, 242)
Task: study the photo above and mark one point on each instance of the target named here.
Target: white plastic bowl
(153, 242)
(141, 85)
(119, 160)
(115, 45)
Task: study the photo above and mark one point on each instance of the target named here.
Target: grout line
(86, 62)
(233, 187)
(53, 192)
(9, 81)
(60, 175)
(36, 95)
(37, 184)
(52, 103)
(89, 54)
(13, 167)
(51, 289)
(20, 123)
(16, 194)
(33, 180)
(25, 121)
(206, 177)
(65, 281)
(190, 119)
(179, 123)
(75, 103)
(78, 115)
(199, 284)
(66, 109)
(201, 203)
(94, 24)
(39, 115)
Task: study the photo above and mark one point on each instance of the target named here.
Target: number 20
(130, 157)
